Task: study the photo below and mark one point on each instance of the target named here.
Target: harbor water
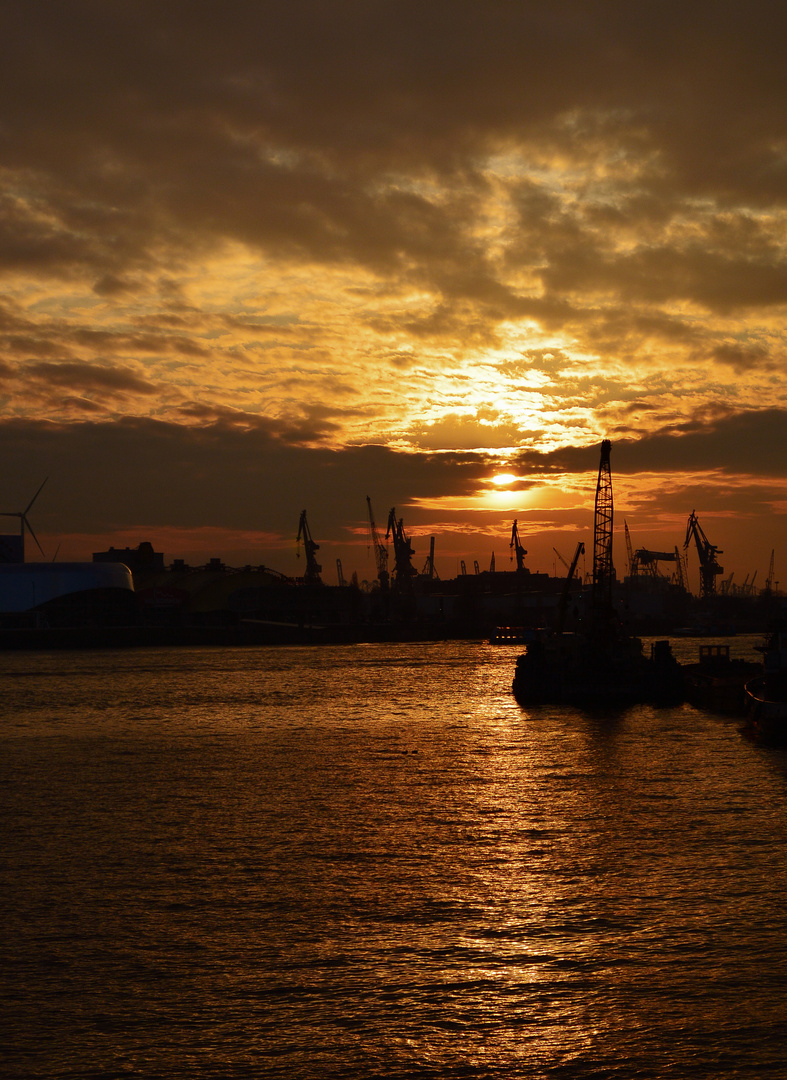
(369, 861)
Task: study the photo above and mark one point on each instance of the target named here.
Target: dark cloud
(110, 380)
(724, 442)
(111, 475)
(309, 131)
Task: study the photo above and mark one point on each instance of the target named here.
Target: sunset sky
(261, 257)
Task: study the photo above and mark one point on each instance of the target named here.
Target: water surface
(369, 861)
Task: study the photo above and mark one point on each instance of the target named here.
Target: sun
(504, 479)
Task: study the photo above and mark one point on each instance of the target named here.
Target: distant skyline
(256, 258)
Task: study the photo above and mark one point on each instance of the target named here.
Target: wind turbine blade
(27, 511)
(30, 530)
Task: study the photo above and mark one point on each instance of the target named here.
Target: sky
(257, 258)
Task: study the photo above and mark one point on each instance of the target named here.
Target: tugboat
(766, 694)
(600, 665)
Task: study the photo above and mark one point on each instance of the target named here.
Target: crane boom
(563, 603)
(633, 564)
(380, 550)
(560, 557)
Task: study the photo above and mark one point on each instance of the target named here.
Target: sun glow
(504, 479)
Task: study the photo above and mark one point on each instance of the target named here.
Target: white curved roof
(23, 586)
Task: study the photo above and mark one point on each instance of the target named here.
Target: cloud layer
(445, 239)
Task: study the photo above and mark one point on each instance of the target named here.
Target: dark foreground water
(368, 861)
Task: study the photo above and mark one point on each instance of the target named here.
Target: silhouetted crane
(404, 571)
(380, 550)
(313, 568)
(517, 548)
(709, 564)
(603, 570)
(650, 559)
(430, 571)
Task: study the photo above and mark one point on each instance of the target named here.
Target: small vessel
(766, 694)
(596, 670)
(717, 682)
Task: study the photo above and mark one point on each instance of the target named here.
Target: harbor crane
(430, 570)
(313, 568)
(517, 549)
(709, 564)
(603, 570)
(404, 571)
(380, 550)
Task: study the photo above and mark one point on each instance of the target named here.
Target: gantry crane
(709, 564)
(603, 570)
(404, 571)
(380, 550)
(647, 560)
(650, 560)
(517, 548)
(313, 568)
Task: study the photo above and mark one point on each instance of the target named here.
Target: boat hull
(766, 717)
(564, 670)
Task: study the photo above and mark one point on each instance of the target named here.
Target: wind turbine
(23, 524)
